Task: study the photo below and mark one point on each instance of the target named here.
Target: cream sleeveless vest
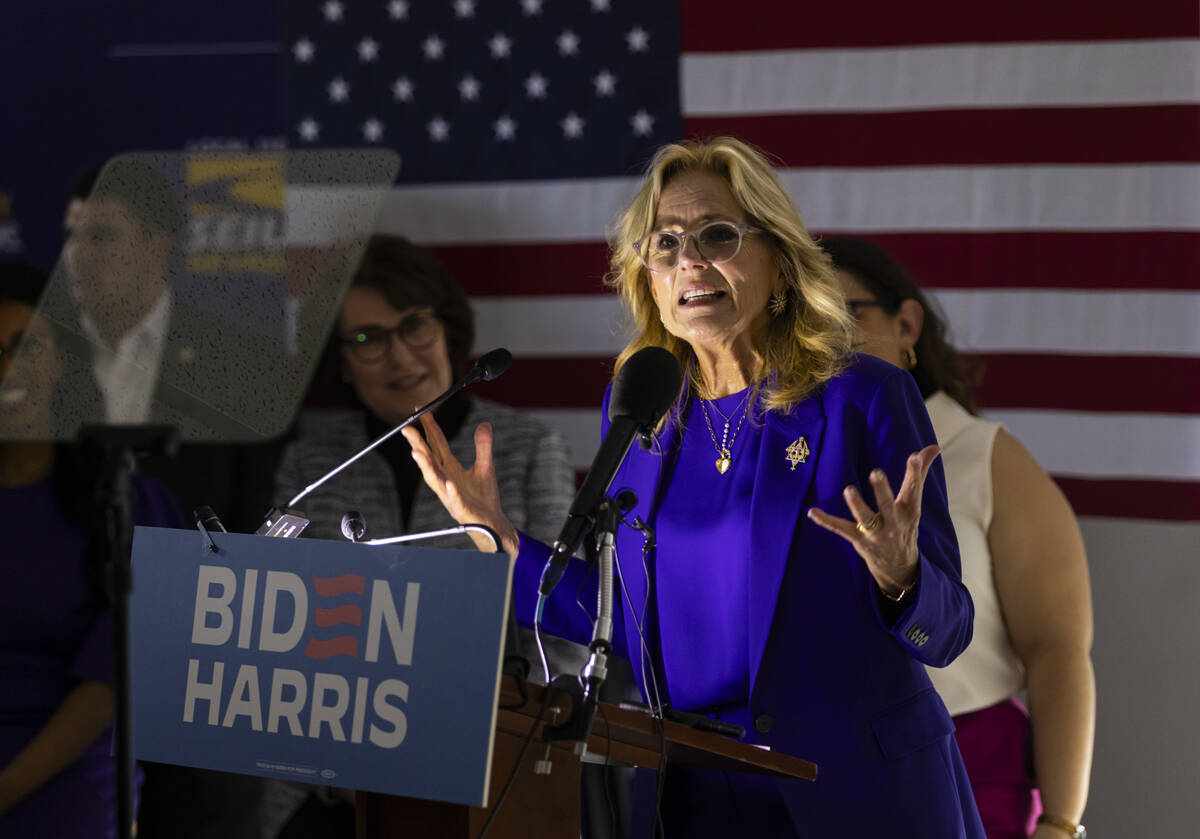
(989, 670)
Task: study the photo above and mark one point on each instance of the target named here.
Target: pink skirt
(997, 748)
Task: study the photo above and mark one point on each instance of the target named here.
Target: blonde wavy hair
(801, 348)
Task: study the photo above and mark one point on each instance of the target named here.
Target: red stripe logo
(337, 586)
(342, 645)
(348, 613)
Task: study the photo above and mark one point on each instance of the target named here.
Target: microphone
(206, 518)
(354, 526)
(642, 392)
(489, 366)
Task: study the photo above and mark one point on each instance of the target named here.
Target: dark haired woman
(56, 702)
(403, 336)
(1023, 561)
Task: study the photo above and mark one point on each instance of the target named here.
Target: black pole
(116, 449)
(113, 497)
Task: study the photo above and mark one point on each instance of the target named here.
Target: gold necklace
(724, 461)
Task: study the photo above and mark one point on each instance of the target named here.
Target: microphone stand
(285, 524)
(433, 534)
(116, 449)
(413, 417)
(584, 689)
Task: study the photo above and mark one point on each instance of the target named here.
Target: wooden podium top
(548, 804)
(638, 739)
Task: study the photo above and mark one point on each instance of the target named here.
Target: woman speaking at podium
(804, 568)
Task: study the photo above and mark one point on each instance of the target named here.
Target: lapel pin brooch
(798, 452)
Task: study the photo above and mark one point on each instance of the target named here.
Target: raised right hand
(470, 496)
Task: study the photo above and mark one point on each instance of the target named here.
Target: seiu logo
(235, 212)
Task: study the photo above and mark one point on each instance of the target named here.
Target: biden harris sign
(374, 668)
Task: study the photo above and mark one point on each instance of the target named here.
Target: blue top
(835, 675)
(703, 589)
(53, 636)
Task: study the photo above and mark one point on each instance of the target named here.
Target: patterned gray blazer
(535, 477)
(536, 488)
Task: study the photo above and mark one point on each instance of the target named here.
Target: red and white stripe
(1037, 169)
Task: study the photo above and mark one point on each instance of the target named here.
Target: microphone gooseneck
(642, 393)
(489, 366)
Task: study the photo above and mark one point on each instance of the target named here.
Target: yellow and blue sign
(235, 213)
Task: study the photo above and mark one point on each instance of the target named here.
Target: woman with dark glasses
(403, 336)
(1023, 561)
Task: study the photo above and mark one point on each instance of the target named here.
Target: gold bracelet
(896, 598)
(1075, 831)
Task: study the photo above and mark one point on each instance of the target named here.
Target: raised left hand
(887, 539)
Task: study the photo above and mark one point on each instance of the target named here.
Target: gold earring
(910, 358)
(777, 304)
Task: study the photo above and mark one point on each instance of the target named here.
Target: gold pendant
(798, 452)
(723, 462)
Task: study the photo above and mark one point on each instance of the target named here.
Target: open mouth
(700, 296)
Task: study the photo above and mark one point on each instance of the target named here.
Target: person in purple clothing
(57, 777)
(774, 594)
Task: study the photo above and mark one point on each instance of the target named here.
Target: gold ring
(871, 525)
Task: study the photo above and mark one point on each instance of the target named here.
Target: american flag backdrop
(1033, 164)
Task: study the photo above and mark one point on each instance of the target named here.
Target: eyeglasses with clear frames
(371, 343)
(716, 242)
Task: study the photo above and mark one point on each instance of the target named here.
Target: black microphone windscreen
(204, 515)
(494, 363)
(645, 386)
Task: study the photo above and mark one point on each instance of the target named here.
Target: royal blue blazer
(835, 676)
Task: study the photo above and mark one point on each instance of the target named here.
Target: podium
(548, 805)
(340, 664)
